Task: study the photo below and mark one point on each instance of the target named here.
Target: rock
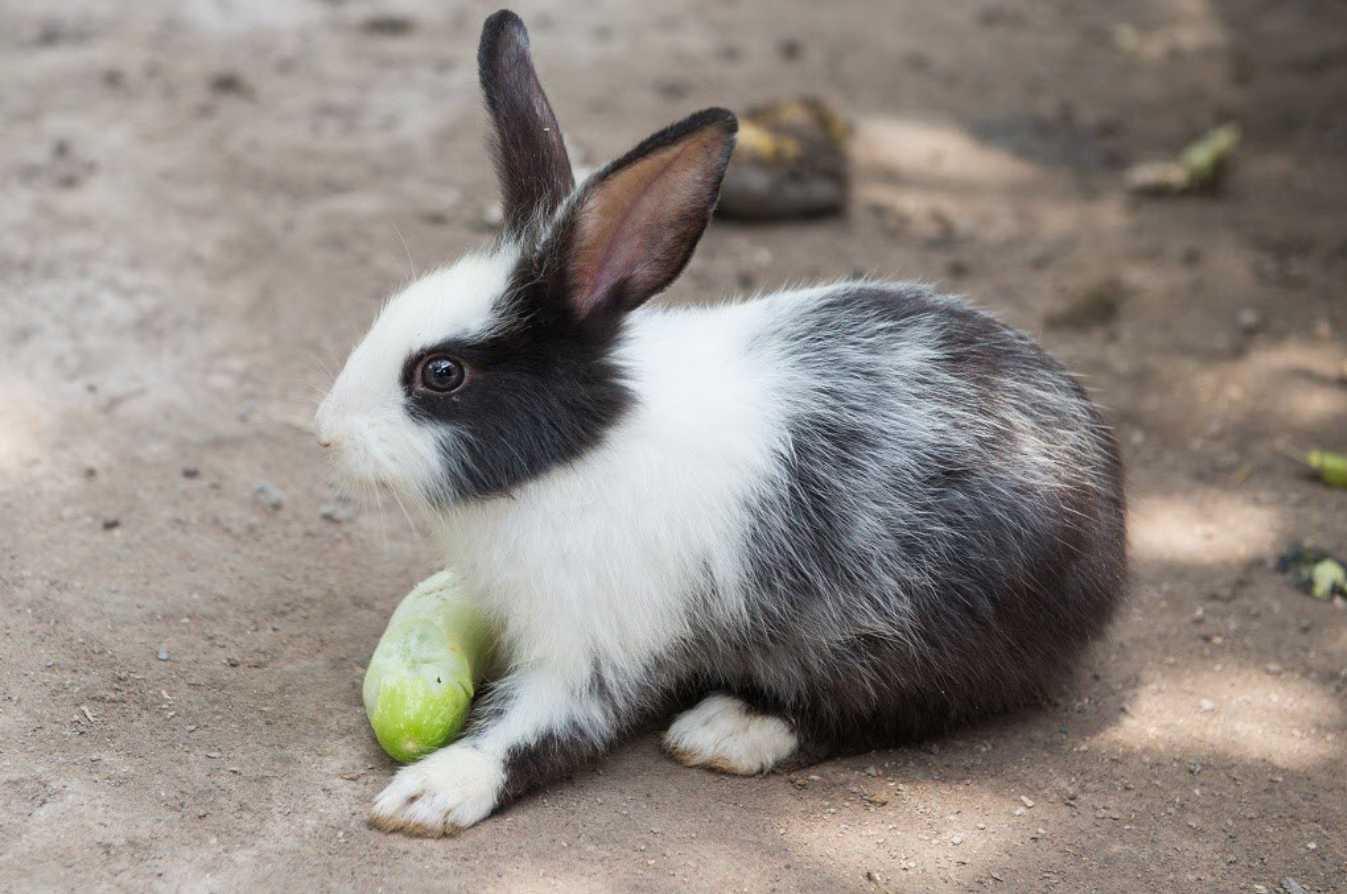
(191, 472)
(1207, 705)
(1026, 801)
(790, 162)
(111, 524)
(269, 496)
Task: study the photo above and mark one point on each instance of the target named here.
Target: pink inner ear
(636, 224)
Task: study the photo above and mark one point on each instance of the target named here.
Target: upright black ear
(633, 227)
(535, 174)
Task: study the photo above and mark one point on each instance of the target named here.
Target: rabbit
(817, 521)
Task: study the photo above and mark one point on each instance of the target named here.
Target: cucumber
(421, 679)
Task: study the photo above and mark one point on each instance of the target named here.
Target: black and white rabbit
(841, 516)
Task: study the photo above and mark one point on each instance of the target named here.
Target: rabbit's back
(943, 530)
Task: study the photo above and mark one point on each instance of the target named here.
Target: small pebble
(269, 496)
(111, 524)
(1207, 705)
(672, 88)
(1026, 801)
(956, 840)
(191, 472)
(163, 653)
(789, 49)
(230, 83)
(212, 754)
(339, 511)
(388, 25)
(1273, 669)
(872, 770)
(1249, 320)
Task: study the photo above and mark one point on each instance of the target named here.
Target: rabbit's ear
(633, 227)
(531, 162)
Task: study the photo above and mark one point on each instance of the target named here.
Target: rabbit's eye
(440, 373)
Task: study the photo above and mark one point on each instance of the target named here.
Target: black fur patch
(530, 155)
(538, 395)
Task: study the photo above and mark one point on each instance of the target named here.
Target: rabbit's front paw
(441, 794)
(723, 733)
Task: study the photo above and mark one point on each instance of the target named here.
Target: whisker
(416, 532)
(411, 265)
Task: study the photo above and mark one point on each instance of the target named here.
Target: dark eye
(441, 373)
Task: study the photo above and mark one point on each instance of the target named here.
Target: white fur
(364, 416)
(449, 790)
(594, 560)
(723, 734)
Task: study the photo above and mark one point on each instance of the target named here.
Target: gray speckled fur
(945, 535)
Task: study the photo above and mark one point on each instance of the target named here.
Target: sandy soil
(203, 203)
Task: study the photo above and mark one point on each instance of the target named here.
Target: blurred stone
(790, 162)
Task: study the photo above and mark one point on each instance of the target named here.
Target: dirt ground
(203, 203)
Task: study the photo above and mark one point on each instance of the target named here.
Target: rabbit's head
(491, 371)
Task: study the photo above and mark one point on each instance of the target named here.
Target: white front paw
(440, 794)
